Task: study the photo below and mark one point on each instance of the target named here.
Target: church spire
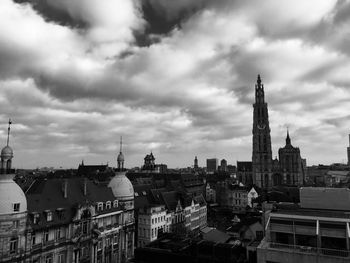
(8, 132)
(259, 91)
(259, 81)
(121, 143)
(120, 158)
(288, 138)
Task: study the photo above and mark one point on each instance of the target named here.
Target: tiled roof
(85, 170)
(216, 236)
(47, 195)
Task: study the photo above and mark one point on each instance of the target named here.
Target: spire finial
(259, 80)
(121, 143)
(8, 132)
(288, 138)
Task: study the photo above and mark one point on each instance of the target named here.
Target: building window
(115, 203)
(46, 236)
(58, 233)
(99, 206)
(99, 245)
(60, 214)
(33, 239)
(15, 224)
(108, 205)
(16, 207)
(36, 219)
(49, 216)
(61, 258)
(13, 245)
(85, 227)
(115, 239)
(48, 259)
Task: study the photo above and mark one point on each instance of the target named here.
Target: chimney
(85, 186)
(65, 188)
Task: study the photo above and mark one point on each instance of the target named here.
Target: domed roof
(121, 186)
(10, 194)
(120, 157)
(7, 152)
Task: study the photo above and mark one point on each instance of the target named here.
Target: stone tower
(262, 154)
(291, 164)
(195, 163)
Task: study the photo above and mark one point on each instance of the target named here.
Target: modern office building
(317, 231)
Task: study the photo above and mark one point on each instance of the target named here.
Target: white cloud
(72, 91)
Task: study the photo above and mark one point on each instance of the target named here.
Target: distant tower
(6, 154)
(195, 163)
(120, 158)
(223, 165)
(349, 152)
(291, 165)
(262, 153)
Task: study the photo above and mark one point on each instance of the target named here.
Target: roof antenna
(8, 132)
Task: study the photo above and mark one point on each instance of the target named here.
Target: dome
(120, 157)
(7, 152)
(11, 194)
(121, 186)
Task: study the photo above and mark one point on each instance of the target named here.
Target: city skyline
(174, 78)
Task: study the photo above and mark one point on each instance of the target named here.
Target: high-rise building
(223, 165)
(262, 153)
(212, 165)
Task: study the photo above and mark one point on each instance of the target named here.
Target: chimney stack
(65, 188)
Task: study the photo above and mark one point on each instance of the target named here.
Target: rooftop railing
(311, 250)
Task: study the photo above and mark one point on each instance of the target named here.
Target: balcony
(310, 250)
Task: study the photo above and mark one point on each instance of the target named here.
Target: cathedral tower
(262, 154)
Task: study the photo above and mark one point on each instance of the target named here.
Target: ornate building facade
(65, 220)
(262, 153)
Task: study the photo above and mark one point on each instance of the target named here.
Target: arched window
(108, 204)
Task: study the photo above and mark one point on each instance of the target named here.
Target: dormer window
(60, 213)
(136, 194)
(99, 206)
(108, 205)
(115, 203)
(48, 216)
(36, 218)
(16, 207)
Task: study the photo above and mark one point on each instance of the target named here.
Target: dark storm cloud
(52, 13)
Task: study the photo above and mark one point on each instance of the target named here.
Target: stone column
(132, 243)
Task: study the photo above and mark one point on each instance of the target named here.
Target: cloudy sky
(174, 77)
